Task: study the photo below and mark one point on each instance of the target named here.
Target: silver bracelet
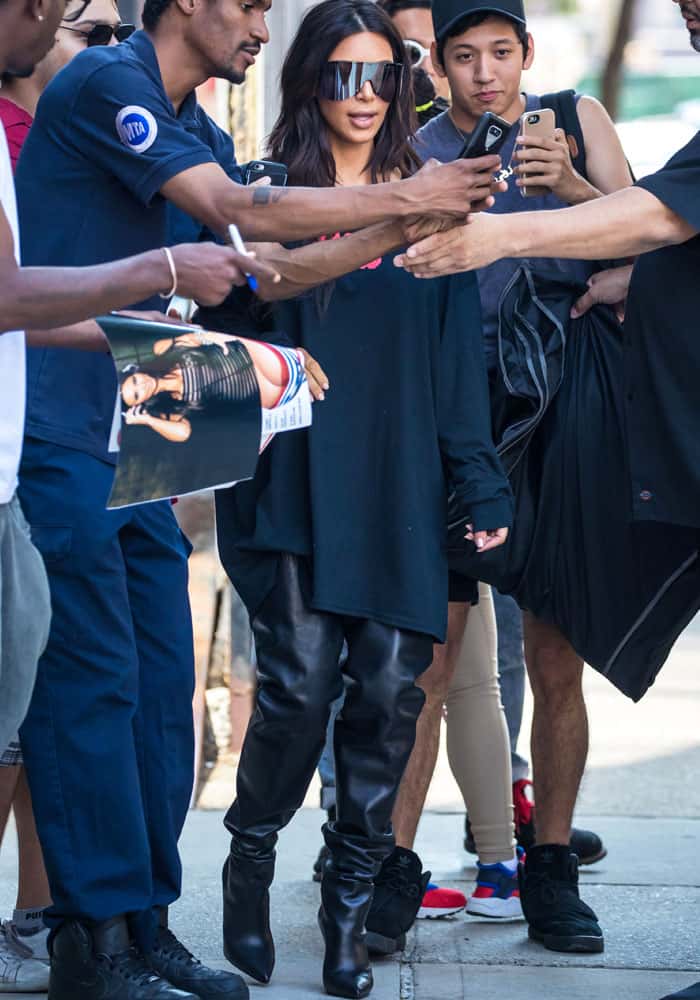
(173, 274)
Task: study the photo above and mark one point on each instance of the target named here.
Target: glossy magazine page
(194, 409)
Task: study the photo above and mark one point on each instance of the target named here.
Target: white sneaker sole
(496, 909)
(436, 912)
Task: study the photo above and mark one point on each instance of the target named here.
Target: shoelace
(131, 966)
(15, 946)
(169, 946)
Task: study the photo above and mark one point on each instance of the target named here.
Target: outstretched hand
(463, 248)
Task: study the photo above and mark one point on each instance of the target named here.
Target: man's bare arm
(623, 224)
(37, 298)
(86, 336)
(272, 214)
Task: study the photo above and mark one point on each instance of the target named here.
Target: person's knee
(555, 673)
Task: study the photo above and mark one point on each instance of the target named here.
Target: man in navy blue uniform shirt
(119, 144)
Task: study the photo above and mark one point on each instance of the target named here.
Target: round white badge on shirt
(137, 128)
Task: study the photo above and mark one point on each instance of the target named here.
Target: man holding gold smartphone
(482, 48)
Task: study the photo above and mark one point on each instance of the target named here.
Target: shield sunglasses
(343, 80)
(101, 34)
(416, 53)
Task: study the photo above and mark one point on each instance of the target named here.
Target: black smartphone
(256, 169)
(488, 137)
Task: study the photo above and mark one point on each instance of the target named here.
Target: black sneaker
(398, 892)
(557, 917)
(102, 964)
(320, 863)
(171, 960)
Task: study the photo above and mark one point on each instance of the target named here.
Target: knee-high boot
(298, 652)
(374, 736)
(248, 940)
(345, 903)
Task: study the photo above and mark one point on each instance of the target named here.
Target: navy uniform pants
(108, 741)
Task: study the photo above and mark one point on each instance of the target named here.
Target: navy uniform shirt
(104, 141)
(363, 492)
(662, 358)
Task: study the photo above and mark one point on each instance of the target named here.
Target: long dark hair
(163, 403)
(300, 136)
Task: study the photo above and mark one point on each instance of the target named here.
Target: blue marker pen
(239, 247)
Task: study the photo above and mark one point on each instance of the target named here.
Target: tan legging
(477, 736)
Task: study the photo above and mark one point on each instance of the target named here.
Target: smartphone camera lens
(533, 119)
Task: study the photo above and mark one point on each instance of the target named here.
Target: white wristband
(173, 274)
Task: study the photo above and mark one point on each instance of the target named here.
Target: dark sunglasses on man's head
(343, 80)
(101, 34)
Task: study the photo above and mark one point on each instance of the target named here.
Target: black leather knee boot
(345, 902)
(298, 651)
(248, 940)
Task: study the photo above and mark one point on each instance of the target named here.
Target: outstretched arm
(312, 265)
(206, 193)
(40, 298)
(623, 224)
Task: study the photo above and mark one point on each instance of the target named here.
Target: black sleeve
(464, 413)
(677, 184)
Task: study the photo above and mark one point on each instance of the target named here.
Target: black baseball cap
(446, 13)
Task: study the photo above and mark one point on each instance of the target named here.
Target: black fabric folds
(621, 592)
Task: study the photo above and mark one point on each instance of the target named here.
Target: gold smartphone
(539, 124)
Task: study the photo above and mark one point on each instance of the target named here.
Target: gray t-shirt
(441, 139)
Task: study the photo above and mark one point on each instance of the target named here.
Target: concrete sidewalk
(641, 794)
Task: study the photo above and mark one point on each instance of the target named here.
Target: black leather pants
(299, 677)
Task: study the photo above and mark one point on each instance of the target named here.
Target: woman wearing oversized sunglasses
(341, 536)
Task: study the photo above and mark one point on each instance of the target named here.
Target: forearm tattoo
(268, 195)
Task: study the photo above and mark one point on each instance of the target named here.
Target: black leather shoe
(587, 846)
(171, 960)
(248, 940)
(101, 963)
(345, 902)
(557, 917)
(398, 891)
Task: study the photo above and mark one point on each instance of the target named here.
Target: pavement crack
(407, 985)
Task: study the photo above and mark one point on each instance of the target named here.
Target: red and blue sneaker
(438, 902)
(497, 893)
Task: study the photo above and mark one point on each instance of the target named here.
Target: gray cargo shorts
(25, 615)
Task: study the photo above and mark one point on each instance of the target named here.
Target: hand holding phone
(257, 169)
(536, 125)
(487, 139)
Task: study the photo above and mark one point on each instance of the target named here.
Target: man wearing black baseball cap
(482, 47)
(446, 13)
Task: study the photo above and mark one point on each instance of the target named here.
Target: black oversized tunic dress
(363, 493)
